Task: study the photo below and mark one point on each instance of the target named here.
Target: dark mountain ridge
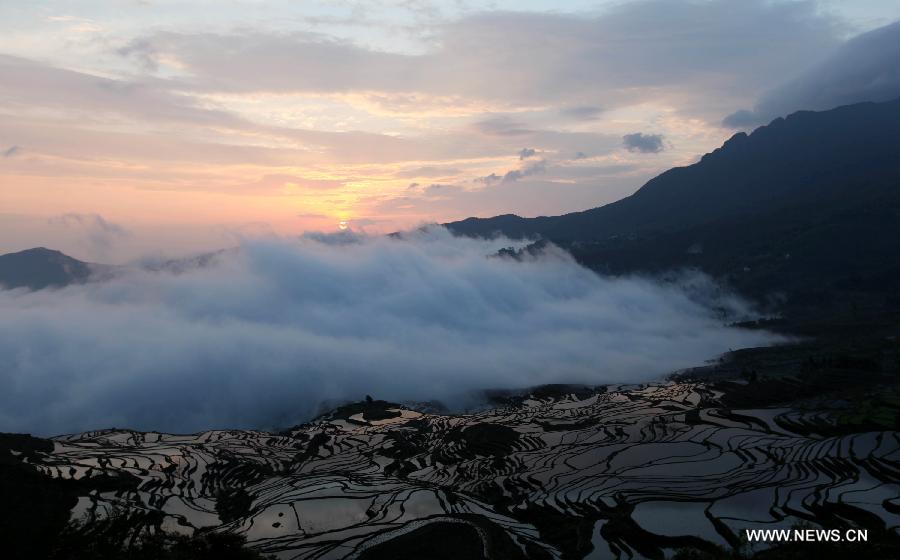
(807, 207)
(808, 154)
(40, 268)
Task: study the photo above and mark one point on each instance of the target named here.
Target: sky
(134, 127)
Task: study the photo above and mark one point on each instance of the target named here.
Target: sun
(342, 225)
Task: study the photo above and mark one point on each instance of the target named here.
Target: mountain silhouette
(40, 268)
(806, 206)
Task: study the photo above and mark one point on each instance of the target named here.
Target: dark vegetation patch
(570, 534)
(136, 536)
(406, 443)
(562, 426)
(34, 519)
(35, 508)
(484, 440)
(233, 504)
(315, 443)
(510, 397)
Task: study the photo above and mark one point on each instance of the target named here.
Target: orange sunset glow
(272, 117)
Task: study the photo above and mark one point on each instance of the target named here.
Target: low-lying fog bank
(263, 335)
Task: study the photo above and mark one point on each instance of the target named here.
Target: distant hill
(805, 207)
(42, 268)
(183, 264)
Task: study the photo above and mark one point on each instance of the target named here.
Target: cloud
(501, 126)
(865, 68)
(206, 134)
(11, 151)
(643, 143)
(209, 139)
(583, 112)
(536, 168)
(744, 118)
(526, 153)
(264, 335)
(439, 190)
(428, 171)
(98, 233)
(143, 51)
(31, 83)
(625, 54)
(488, 179)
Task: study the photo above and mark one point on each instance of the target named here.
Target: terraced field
(613, 472)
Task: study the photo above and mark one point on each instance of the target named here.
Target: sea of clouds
(267, 333)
